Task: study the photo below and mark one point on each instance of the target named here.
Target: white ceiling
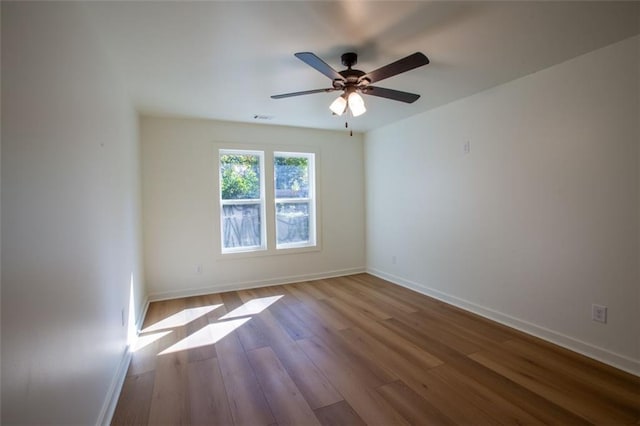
(223, 60)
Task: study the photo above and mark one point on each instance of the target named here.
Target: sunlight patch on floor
(207, 335)
(181, 318)
(147, 339)
(252, 307)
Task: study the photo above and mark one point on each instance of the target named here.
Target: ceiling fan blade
(313, 61)
(402, 65)
(306, 92)
(395, 95)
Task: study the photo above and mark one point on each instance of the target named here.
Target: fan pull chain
(346, 126)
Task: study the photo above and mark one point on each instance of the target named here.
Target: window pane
(292, 223)
(240, 176)
(292, 177)
(241, 225)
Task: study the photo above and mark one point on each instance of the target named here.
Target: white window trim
(269, 214)
(310, 200)
(261, 201)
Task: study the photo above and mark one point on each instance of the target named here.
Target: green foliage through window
(240, 176)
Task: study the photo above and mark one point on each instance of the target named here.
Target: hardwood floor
(352, 351)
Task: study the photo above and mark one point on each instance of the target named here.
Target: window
(294, 199)
(242, 201)
(246, 224)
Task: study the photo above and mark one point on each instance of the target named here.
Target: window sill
(268, 252)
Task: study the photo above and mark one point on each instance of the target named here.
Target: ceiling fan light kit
(356, 104)
(339, 106)
(353, 82)
(351, 101)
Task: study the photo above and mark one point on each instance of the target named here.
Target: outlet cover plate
(599, 313)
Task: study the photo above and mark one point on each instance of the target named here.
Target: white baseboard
(110, 402)
(174, 294)
(142, 315)
(600, 354)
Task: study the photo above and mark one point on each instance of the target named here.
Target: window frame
(269, 214)
(247, 201)
(310, 200)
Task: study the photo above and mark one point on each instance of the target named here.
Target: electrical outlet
(122, 316)
(467, 147)
(599, 313)
(199, 269)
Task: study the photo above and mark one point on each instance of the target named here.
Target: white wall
(540, 220)
(180, 207)
(70, 218)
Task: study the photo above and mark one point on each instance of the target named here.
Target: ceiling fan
(352, 82)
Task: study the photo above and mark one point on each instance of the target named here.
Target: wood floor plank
(485, 397)
(207, 395)
(246, 399)
(373, 373)
(158, 311)
(286, 298)
(250, 334)
(328, 315)
(134, 402)
(281, 311)
(416, 300)
(289, 322)
(376, 334)
(466, 327)
(422, 339)
(310, 288)
(170, 400)
(201, 352)
(315, 387)
(339, 414)
(402, 361)
(545, 411)
(369, 405)
(415, 372)
(517, 395)
(355, 309)
(379, 297)
(470, 340)
(412, 406)
(343, 290)
(450, 400)
(432, 329)
(536, 405)
(286, 401)
(574, 399)
(583, 382)
(599, 378)
(145, 357)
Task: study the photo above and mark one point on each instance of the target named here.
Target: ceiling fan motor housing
(349, 59)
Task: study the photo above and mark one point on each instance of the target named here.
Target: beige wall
(180, 207)
(70, 219)
(539, 220)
